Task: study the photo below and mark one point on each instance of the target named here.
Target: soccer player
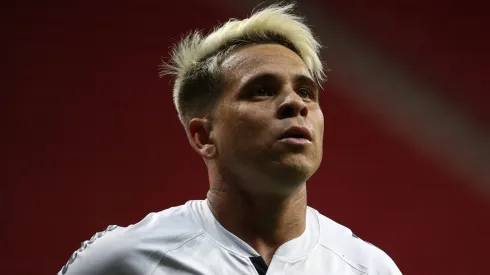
(247, 96)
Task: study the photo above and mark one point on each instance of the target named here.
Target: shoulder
(350, 248)
(134, 249)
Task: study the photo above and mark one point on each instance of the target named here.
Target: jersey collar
(289, 251)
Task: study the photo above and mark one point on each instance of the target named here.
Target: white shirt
(188, 240)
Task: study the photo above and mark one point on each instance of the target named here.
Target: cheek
(316, 116)
(320, 125)
(249, 127)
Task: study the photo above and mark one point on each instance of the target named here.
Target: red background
(91, 138)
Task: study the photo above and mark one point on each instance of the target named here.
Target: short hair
(196, 59)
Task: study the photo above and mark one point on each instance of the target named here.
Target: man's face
(268, 126)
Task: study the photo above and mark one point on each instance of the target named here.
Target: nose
(291, 106)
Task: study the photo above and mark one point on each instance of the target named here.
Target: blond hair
(195, 61)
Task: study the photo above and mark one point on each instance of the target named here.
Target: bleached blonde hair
(195, 61)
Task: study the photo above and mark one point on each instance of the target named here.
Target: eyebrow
(304, 79)
(298, 78)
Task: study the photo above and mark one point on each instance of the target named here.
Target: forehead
(252, 60)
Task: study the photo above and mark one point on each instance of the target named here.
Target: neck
(265, 222)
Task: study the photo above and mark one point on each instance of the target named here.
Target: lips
(296, 132)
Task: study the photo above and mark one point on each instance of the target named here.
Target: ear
(200, 137)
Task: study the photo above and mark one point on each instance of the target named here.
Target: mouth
(297, 133)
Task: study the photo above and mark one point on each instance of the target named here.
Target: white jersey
(188, 240)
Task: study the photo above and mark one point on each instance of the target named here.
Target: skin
(258, 182)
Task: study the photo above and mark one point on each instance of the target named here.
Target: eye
(305, 93)
(263, 92)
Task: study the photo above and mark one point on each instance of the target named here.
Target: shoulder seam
(343, 259)
(201, 232)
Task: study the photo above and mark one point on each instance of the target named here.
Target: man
(247, 95)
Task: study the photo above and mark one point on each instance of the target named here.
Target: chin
(294, 172)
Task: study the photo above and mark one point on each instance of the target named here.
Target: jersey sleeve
(110, 252)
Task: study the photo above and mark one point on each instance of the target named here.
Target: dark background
(91, 138)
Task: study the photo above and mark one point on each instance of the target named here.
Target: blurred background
(91, 137)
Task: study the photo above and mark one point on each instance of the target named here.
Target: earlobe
(200, 137)
(208, 151)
